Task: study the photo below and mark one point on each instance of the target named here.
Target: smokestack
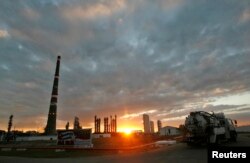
(10, 123)
(115, 124)
(105, 125)
(95, 124)
(111, 124)
(98, 125)
(50, 128)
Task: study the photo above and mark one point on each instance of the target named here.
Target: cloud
(91, 11)
(126, 116)
(3, 33)
(245, 17)
(31, 14)
(174, 118)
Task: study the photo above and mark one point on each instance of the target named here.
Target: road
(177, 153)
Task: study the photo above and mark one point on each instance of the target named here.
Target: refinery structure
(50, 128)
(109, 126)
(109, 123)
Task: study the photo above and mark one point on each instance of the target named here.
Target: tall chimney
(50, 128)
(96, 123)
(111, 124)
(115, 123)
(99, 125)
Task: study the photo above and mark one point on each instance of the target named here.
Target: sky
(164, 58)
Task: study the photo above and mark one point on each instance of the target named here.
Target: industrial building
(152, 127)
(159, 125)
(109, 126)
(146, 123)
(169, 131)
(77, 124)
(97, 125)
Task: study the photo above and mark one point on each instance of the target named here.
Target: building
(50, 128)
(152, 127)
(169, 131)
(109, 126)
(146, 123)
(77, 124)
(159, 125)
(97, 125)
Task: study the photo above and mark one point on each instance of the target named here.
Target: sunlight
(127, 131)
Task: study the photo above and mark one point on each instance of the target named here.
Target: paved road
(177, 153)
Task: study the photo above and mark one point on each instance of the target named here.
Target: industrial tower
(50, 128)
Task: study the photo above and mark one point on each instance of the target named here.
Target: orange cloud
(3, 33)
(245, 17)
(133, 115)
(93, 11)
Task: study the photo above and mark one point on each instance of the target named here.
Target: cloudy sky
(125, 57)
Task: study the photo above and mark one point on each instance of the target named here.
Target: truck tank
(203, 127)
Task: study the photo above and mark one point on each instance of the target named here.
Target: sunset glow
(127, 131)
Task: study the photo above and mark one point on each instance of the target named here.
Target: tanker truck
(209, 128)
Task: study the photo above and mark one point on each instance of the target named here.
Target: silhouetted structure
(113, 124)
(10, 135)
(77, 124)
(10, 123)
(146, 123)
(152, 127)
(97, 125)
(50, 128)
(106, 124)
(159, 125)
(67, 126)
(110, 127)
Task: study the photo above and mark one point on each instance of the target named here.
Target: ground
(176, 153)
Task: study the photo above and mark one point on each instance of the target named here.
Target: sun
(127, 131)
